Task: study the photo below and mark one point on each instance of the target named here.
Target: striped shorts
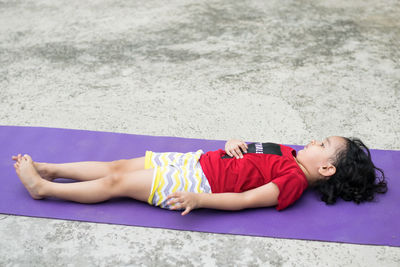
(175, 172)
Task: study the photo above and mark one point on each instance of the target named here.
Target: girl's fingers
(244, 147)
(234, 153)
(179, 202)
(186, 211)
(174, 201)
(175, 207)
(170, 196)
(174, 195)
(239, 152)
(178, 206)
(228, 151)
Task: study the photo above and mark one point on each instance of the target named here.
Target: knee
(116, 166)
(113, 180)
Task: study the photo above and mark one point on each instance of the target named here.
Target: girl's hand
(235, 147)
(183, 200)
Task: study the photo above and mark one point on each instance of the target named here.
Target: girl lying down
(239, 177)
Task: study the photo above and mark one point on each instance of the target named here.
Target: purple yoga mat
(370, 223)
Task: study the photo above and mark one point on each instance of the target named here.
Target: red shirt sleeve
(291, 187)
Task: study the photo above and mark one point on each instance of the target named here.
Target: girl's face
(317, 156)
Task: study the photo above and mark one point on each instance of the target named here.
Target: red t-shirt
(263, 163)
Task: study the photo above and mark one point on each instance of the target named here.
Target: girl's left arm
(263, 196)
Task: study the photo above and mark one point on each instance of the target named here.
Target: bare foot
(29, 176)
(44, 169)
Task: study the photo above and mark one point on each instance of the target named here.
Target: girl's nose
(313, 142)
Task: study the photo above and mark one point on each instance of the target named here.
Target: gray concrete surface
(282, 71)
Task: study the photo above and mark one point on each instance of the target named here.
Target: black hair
(356, 179)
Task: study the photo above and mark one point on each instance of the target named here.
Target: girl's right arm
(263, 196)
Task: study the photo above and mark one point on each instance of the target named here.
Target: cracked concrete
(281, 71)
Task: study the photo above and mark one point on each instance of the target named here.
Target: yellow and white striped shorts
(175, 172)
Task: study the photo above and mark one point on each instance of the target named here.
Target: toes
(27, 158)
(17, 158)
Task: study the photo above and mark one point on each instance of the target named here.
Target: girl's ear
(327, 170)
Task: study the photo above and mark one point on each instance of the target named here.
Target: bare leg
(136, 184)
(87, 170)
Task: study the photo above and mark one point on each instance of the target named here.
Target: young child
(239, 177)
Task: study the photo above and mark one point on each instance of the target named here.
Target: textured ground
(282, 71)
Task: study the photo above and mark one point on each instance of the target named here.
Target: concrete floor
(281, 71)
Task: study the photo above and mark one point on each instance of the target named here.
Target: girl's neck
(310, 179)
